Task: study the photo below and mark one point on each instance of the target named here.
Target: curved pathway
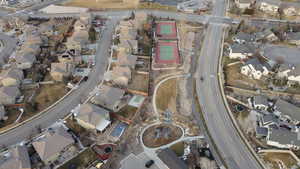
(157, 87)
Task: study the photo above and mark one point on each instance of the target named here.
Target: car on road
(149, 163)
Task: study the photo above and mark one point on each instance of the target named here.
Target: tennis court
(167, 52)
(166, 30)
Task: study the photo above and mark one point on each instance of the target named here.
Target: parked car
(149, 163)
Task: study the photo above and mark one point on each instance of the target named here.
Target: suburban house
(61, 71)
(69, 57)
(267, 34)
(293, 38)
(254, 68)
(46, 30)
(287, 111)
(243, 4)
(52, 143)
(269, 6)
(242, 37)
(73, 45)
(11, 77)
(109, 97)
(9, 94)
(290, 72)
(16, 158)
(130, 46)
(283, 138)
(268, 120)
(171, 160)
(128, 34)
(261, 132)
(120, 75)
(240, 51)
(92, 117)
(290, 8)
(259, 102)
(25, 60)
(126, 60)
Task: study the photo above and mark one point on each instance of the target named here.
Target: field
(103, 4)
(166, 95)
(275, 160)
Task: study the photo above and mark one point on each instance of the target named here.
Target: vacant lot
(48, 94)
(161, 134)
(276, 159)
(166, 95)
(103, 4)
(139, 82)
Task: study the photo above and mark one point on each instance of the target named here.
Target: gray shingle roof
(53, 142)
(287, 108)
(283, 136)
(171, 160)
(108, 97)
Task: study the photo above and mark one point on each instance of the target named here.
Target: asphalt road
(65, 106)
(220, 127)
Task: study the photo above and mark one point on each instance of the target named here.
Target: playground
(161, 134)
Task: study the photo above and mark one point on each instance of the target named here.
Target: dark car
(149, 163)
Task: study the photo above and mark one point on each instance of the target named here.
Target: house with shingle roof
(241, 51)
(16, 158)
(268, 6)
(255, 68)
(11, 77)
(293, 38)
(9, 94)
(52, 143)
(109, 97)
(61, 71)
(93, 117)
(26, 59)
(283, 138)
(126, 60)
(171, 160)
(287, 111)
(119, 75)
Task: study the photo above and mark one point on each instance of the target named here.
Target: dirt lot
(139, 82)
(48, 94)
(273, 159)
(166, 96)
(161, 134)
(103, 4)
(235, 78)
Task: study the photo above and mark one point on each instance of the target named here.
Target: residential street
(65, 106)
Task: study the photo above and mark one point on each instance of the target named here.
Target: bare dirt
(161, 134)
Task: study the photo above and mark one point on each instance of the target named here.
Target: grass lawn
(148, 5)
(83, 160)
(274, 158)
(102, 4)
(139, 82)
(48, 94)
(166, 95)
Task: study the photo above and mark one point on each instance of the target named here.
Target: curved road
(66, 105)
(222, 130)
(232, 149)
